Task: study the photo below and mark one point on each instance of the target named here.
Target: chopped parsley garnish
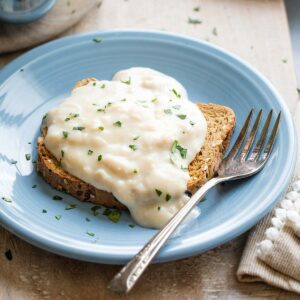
(176, 106)
(94, 83)
(183, 168)
(298, 90)
(78, 128)
(34, 161)
(131, 225)
(87, 219)
(13, 162)
(117, 124)
(197, 8)
(176, 93)
(136, 138)
(154, 100)
(194, 21)
(71, 116)
(214, 31)
(95, 209)
(102, 86)
(28, 156)
(58, 217)
(65, 134)
(101, 128)
(6, 199)
(44, 211)
(90, 233)
(8, 254)
(158, 192)
(70, 206)
(123, 100)
(134, 171)
(284, 61)
(175, 146)
(45, 116)
(192, 123)
(99, 157)
(168, 197)
(127, 81)
(158, 207)
(90, 152)
(57, 197)
(62, 153)
(106, 212)
(182, 117)
(133, 147)
(203, 199)
(29, 143)
(114, 216)
(34, 186)
(168, 111)
(97, 40)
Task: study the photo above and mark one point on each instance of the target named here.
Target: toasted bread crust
(220, 126)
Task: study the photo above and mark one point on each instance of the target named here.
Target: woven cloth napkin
(272, 252)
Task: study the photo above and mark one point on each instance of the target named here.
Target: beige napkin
(272, 252)
(62, 16)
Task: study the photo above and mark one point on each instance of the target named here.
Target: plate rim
(118, 258)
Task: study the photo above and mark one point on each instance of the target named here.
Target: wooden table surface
(257, 31)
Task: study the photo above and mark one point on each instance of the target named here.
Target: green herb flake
(134, 171)
(70, 206)
(136, 138)
(102, 86)
(94, 83)
(131, 225)
(176, 93)
(90, 233)
(176, 106)
(71, 116)
(173, 147)
(284, 61)
(214, 31)
(154, 100)
(90, 152)
(183, 168)
(158, 207)
(57, 197)
(117, 124)
(197, 8)
(182, 117)
(99, 157)
(203, 199)
(62, 152)
(114, 216)
(298, 90)
(29, 143)
(34, 161)
(34, 186)
(13, 162)
(168, 111)
(101, 128)
(80, 128)
(194, 21)
(133, 147)
(87, 219)
(5, 199)
(168, 197)
(192, 123)
(44, 211)
(95, 209)
(58, 217)
(65, 134)
(97, 40)
(45, 116)
(158, 192)
(28, 156)
(106, 212)
(127, 81)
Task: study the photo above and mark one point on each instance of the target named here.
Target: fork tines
(242, 147)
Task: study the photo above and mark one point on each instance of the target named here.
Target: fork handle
(130, 273)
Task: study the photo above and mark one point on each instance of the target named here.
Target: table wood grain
(255, 30)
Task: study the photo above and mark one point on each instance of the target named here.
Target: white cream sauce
(118, 136)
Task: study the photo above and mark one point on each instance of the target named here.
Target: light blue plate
(38, 80)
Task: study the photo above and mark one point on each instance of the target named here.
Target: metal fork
(240, 162)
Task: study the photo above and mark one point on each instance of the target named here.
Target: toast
(220, 126)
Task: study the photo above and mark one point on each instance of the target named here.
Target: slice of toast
(220, 126)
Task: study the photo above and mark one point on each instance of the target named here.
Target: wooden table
(257, 31)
